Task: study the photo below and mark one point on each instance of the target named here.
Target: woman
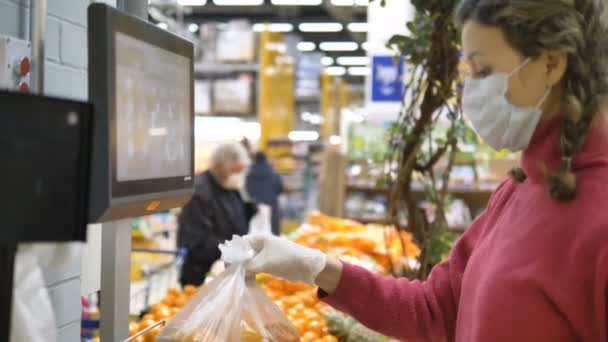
(534, 265)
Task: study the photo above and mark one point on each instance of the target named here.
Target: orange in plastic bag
(229, 309)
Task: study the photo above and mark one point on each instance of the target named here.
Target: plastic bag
(33, 318)
(229, 309)
(261, 222)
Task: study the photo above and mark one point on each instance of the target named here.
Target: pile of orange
(165, 310)
(300, 304)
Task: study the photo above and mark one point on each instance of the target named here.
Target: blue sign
(387, 79)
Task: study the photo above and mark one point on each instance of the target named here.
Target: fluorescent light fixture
(335, 71)
(297, 2)
(364, 46)
(339, 46)
(162, 26)
(335, 140)
(327, 61)
(320, 27)
(192, 2)
(273, 27)
(303, 135)
(306, 46)
(350, 2)
(353, 60)
(358, 71)
(358, 27)
(193, 27)
(238, 2)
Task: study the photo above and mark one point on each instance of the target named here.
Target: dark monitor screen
(141, 83)
(45, 150)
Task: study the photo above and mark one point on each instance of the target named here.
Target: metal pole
(115, 280)
(37, 32)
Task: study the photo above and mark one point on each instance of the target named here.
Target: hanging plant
(431, 54)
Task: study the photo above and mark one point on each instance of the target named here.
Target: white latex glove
(285, 259)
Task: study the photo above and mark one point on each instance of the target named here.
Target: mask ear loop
(519, 67)
(516, 70)
(544, 98)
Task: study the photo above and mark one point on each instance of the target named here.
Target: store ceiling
(269, 13)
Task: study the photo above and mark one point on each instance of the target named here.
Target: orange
(330, 338)
(147, 317)
(190, 290)
(150, 336)
(280, 304)
(133, 328)
(293, 312)
(146, 323)
(162, 312)
(174, 311)
(174, 291)
(309, 336)
(300, 324)
(180, 301)
(299, 307)
(315, 326)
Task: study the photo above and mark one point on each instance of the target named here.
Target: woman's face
(486, 52)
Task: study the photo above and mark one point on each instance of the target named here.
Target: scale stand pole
(115, 280)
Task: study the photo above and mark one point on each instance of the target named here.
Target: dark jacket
(264, 186)
(211, 217)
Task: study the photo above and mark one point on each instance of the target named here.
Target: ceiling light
(273, 27)
(162, 26)
(306, 46)
(327, 61)
(296, 2)
(238, 2)
(358, 71)
(193, 27)
(358, 27)
(192, 2)
(336, 71)
(350, 2)
(335, 140)
(353, 60)
(320, 27)
(339, 46)
(303, 135)
(364, 46)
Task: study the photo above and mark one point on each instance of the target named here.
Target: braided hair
(574, 27)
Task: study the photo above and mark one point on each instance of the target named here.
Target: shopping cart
(156, 280)
(151, 289)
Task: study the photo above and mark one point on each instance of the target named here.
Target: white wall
(65, 76)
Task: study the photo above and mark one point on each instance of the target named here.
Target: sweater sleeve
(404, 309)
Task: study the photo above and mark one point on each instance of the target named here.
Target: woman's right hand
(285, 259)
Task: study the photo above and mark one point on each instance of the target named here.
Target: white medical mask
(236, 181)
(500, 123)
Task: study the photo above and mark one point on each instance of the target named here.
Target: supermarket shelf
(308, 99)
(210, 69)
(364, 220)
(163, 231)
(475, 197)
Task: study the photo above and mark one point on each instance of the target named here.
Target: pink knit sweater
(528, 269)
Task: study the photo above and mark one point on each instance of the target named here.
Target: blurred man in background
(215, 213)
(264, 186)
